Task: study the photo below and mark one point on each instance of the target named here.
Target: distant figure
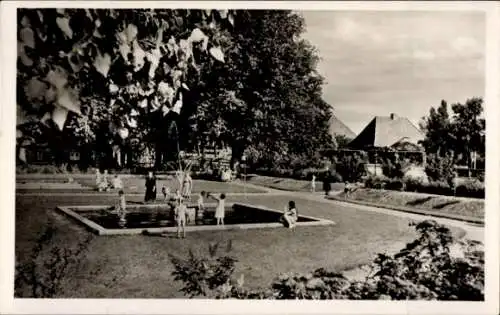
(327, 186)
(121, 204)
(150, 187)
(116, 183)
(102, 181)
(313, 183)
(166, 193)
(187, 186)
(121, 209)
(347, 189)
(290, 215)
(220, 208)
(201, 205)
(180, 218)
(98, 178)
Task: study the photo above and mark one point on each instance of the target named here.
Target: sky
(381, 62)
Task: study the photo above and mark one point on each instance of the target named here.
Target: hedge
(472, 189)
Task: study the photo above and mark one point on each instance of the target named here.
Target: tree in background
(458, 136)
(265, 100)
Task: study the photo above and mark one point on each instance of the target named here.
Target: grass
(443, 204)
(141, 268)
(289, 184)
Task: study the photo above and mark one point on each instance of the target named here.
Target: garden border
(96, 228)
(410, 210)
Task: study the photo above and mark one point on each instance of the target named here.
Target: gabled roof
(338, 128)
(386, 131)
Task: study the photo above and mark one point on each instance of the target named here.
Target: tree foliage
(458, 135)
(111, 73)
(130, 79)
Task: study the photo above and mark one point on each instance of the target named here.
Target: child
(201, 205)
(313, 183)
(121, 208)
(180, 218)
(150, 188)
(186, 186)
(220, 209)
(166, 193)
(116, 183)
(290, 215)
(347, 189)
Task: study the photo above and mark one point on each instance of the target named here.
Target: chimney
(393, 116)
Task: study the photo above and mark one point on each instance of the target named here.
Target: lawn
(436, 203)
(140, 264)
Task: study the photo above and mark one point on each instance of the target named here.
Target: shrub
(376, 181)
(413, 184)
(351, 167)
(471, 189)
(395, 184)
(42, 275)
(424, 269)
(440, 168)
(202, 275)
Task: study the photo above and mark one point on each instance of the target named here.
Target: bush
(440, 168)
(351, 167)
(471, 189)
(43, 274)
(413, 184)
(423, 270)
(376, 181)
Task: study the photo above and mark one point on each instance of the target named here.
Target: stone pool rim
(99, 230)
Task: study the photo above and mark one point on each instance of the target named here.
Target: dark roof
(384, 131)
(338, 128)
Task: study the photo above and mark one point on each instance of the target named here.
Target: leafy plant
(202, 275)
(426, 269)
(43, 274)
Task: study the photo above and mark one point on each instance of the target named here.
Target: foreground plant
(43, 274)
(432, 267)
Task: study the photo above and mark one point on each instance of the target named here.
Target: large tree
(110, 78)
(266, 98)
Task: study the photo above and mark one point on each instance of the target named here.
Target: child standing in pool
(180, 218)
(201, 205)
(220, 209)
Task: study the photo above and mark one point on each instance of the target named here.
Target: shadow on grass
(419, 201)
(449, 203)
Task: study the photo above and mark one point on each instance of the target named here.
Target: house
(389, 131)
(391, 136)
(338, 128)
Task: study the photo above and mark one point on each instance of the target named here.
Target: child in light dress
(180, 218)
(220, 208)
(313, 183)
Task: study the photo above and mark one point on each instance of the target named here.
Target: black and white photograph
(184, 152)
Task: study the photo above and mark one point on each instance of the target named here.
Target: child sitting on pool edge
(290, 215)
